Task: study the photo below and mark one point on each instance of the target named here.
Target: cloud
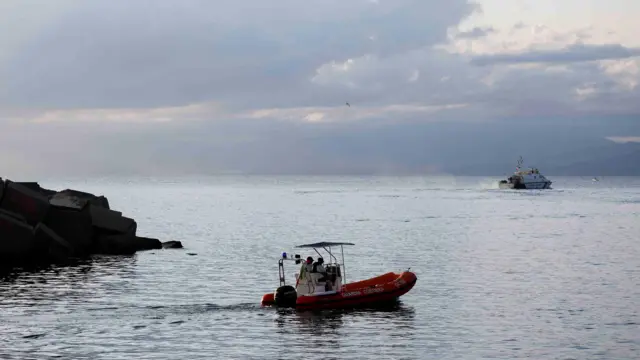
(624, 139)
(570, 54)
(105, 54)
(428, 76)
(212, 112)
(476, 32)
(569, 89)
(102, 56)
(344, 114)
(197, 86)
(185, 113)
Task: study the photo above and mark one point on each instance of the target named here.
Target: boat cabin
(529, 175)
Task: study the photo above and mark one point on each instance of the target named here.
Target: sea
(502, 274)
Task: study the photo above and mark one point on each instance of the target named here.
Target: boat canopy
(323, 244)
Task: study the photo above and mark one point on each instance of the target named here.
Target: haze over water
(501, 274)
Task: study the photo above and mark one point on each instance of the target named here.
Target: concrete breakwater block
(72, 225)
(145, 243)
(52, 246)
(115, 244)
(125, 244)
(107, 242)
(13, 215)
(24, 201)
(34, 186)
(78, 199)
(1, 189)
(39, 225)
(111, 221)
(16, 240)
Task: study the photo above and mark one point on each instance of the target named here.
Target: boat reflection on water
(325, 323)
(328, 327)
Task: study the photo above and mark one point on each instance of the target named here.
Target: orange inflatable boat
(323, 286)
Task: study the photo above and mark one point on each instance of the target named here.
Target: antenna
(519, 163)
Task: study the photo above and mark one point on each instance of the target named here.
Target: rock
(145, 243)
(1, 189)
(172, 245)
(53, 247)
(111, 221)
(78, 199)
(16, 240)
(72, 225)
(24, 201)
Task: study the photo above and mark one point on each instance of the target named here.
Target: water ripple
(505, 275)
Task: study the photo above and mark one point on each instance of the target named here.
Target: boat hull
(541, 185)
(381, 289)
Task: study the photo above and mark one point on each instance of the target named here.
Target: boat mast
(519, 163)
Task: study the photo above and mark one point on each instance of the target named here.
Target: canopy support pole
(344, 271)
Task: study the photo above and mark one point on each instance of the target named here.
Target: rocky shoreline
(42, 226)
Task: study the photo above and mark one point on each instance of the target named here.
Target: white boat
(525, 179)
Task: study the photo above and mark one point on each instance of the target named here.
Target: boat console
(311, 283)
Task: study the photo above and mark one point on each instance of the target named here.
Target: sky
(168, 87)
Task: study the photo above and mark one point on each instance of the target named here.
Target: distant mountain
(621, 160)
(571, 146)
(564, 148)
(455, 148)
(415, 147)
(609, 159)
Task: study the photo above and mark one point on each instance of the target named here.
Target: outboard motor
(285, 296)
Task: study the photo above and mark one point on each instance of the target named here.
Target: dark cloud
(570, 54)
(162, 53)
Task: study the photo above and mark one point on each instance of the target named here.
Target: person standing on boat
(306, 268)
(305, 271)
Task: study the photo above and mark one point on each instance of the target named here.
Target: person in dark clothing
(319, 268)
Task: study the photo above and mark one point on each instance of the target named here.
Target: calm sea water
(501, 274)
